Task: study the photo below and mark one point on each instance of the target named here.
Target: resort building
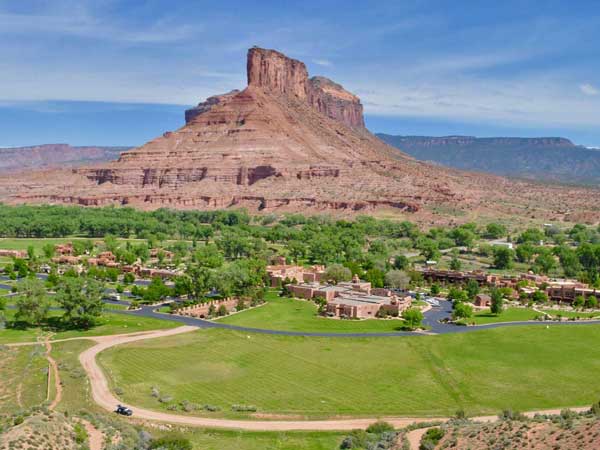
(21, 254)
(483, 301)
(355, 299)
(280, 271)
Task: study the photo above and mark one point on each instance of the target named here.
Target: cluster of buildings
(201, 310)
(21, 254)
(65, 255)
(280, 271)
(355, 299)
(562, 291)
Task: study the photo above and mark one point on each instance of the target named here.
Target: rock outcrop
(206, 105)
(290, 143)
(334, 101)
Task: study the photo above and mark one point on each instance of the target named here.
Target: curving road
(432, 321)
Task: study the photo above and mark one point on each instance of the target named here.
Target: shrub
(243, 408)
(380, 427)
(171, 443)
(211, 408)
(431, 438)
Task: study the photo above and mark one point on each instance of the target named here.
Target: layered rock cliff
(289, 143)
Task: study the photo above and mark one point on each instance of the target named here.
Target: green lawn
(238, 440)
(77, 397)
(24, 378)
(481, 372)
(109, 323)
(508, 315)
(301, 315)
(583, 315)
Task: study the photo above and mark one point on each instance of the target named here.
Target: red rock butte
(288, 142)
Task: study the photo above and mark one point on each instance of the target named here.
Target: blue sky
(120, 72)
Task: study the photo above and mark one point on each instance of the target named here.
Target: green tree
(48, 250)
(455, 264)
(472, 289)
(81, 299)
(413, 318)
(497, 301)
(462, 311)
(503, 257)
(336, 273)
(539, 297)
(397, 279)
(401, 262)
(525, 252)
(591, 302)
(31, 301)
(435, 289)
(31, 253)
(579, 301)
(495, 230)
(545, 262)
(222, 311)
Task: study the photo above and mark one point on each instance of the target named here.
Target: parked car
(123, 410)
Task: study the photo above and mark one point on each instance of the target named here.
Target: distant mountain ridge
(554, 159)
(55, 155)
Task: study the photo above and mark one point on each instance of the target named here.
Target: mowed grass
(508, 315)
(77, 397)
(481, 372)
(521, 314)
(108, 323)
(300, 315)
(238, 440)
(24, 378)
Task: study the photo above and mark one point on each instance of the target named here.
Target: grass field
(520, 314)
(109, 323)
(77, 397)
(481, 372)
(508, 315)
(300, 315)
(24, 378)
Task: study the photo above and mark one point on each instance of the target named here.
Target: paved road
(432, 319)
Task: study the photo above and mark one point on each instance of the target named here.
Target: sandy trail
(55, 376)
(95, 436)
(414, 437)
(105, 398)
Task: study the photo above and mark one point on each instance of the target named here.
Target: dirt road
(104, 397)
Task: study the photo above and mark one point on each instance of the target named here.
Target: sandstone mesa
(288, 142)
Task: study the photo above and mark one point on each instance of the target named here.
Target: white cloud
(589, 89)
(323, 62)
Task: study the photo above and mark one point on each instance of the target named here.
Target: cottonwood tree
(462, 311)
(397, 279)
(81, 299)
(336, 273)
(413, 318)
(497, 302)
(32, 302)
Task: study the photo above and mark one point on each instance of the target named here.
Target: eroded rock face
(289, 143)
(205, 106)
(332, 100)
(275, 73)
